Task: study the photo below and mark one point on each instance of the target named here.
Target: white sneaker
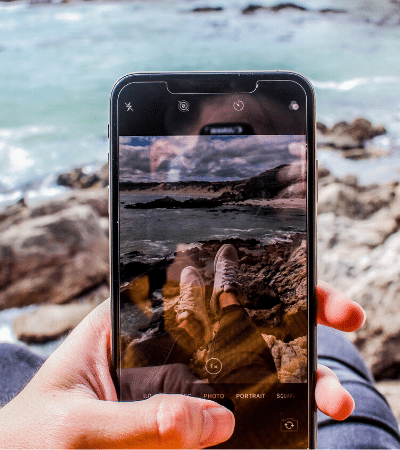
(225, 275)
(192, 301)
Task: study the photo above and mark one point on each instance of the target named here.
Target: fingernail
(365, 317)
(218, 425)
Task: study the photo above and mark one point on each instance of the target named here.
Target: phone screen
(213, 253)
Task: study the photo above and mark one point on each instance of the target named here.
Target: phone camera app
(289, 425)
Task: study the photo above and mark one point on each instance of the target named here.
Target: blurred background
(58, 63)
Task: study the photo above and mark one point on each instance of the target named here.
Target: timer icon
(238, 106)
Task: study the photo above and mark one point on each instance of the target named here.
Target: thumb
(162, 421)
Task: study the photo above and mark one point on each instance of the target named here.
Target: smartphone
(212, 234)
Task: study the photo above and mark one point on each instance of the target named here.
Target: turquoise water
(59, 62)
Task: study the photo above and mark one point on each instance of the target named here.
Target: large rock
(79, 179)
(377, 288)
(20, 212)
(290, 358)
(50, 322)
(350, 138)
(358, 253)
(345, 197)
(52, 258)
(346, 135)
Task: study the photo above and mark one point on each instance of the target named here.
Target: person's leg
(372, 423)
(177, 345)
(239, 347)
(17, 366)
(238, 344)
(161, 363)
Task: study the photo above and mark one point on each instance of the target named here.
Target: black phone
(212, 234)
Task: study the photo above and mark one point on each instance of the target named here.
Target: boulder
(350, 138)
(50, 322)
(290, 358)
(332, 11)
(15, 214)
(345, 197)
(252, 8)
(79, 179)
(52, 258)
(274, 8)
(287, 5)
(207, 9)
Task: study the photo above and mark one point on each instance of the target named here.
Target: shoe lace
(186, 297)
(229, 274)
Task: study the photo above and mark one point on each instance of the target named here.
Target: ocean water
(59, 62)
(158, 232)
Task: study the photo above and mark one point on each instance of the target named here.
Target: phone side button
(108, 131)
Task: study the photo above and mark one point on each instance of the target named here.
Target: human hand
(335, 310)
(72, 403)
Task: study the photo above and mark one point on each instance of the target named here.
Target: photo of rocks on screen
(182, 199)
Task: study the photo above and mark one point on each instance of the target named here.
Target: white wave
(347, 85)
(6, 334)
(10, 197)
(33, 197)
(25, 132)
(12, 7)
(19, 159)
(69, 17)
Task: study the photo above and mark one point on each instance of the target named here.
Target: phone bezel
(209, 77)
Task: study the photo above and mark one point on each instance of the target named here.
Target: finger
(84, 358)
(162, 421)
(331, 397)
(336, 310)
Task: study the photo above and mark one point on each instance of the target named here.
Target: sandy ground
(277, 203)
(194, 193)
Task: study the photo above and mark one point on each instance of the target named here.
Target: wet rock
(170, 203)
(78, 179)
(288, 5)
(290, 358)
(350, 138)
(207, 9)
(50, 322)
(345, 197)
(20, 212)
(332, 11)
(52, 258)
(252, 8)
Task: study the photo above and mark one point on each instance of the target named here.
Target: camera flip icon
(289, 425)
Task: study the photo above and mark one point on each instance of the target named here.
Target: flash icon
(128, 106)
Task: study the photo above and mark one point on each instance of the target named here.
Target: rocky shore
(55, 255)
(273, 279)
